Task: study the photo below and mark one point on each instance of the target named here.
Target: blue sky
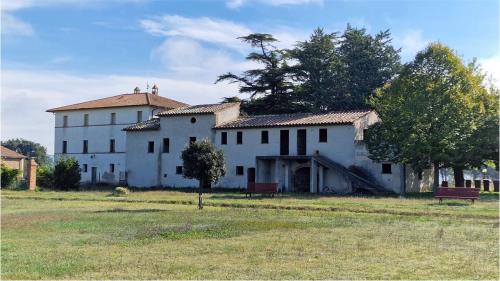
(56, 52)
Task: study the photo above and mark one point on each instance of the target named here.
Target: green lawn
(161, 235)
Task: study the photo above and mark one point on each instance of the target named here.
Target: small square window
(323, 135)
(223, 138)
(166, 145)
(111, 168)
(386, 168)
(239, 137)
(192, 139)
(239, 170)
(84, 168)
(264, 137)
(178, 170)
(151, 147)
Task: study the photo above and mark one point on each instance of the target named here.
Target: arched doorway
(301, 180)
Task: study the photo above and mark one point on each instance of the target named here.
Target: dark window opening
(139, 116)
(85, 168)
(151, 147)
(365, 134)
(386, 168)
(112, 145)
(113, 118)
(65, 121)
(111, 168)
(85, 120)
(239, 137)
(85, 146)
(223, 138)
(178, 170)
(239, 170)
(420, 176)
(284, 142)
(192, 139)
(193, 120)
(264, 137)
(166, 145)
(65, 147)
(323, 135)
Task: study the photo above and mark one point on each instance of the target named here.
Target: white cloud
(14, 26)
(491, 66)
(410, 42)
(26, 94)
(233, 4)
(204, 29)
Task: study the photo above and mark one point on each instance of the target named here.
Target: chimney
(137, 90)
(154, 90)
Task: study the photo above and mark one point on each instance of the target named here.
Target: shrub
(45, 176)
(8, 176)
(67, 174)
(120, 191)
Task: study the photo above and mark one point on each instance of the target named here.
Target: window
(139, 116)
(151, 147)
(239, 137)
(192, 139)
(239, 170)
(65, 121)
(85, 146)
(178, 170)
(166, 145)
(112, 145)
(111, 168)
(323, 135)
(365, 134)
(264, 137)
(193, 120)
(65, 147)
(84, 168)
(113, 118)
(85, 120)
(386, 168)
(223, 138)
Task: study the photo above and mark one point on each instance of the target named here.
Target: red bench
(262, 188)
(465, 193)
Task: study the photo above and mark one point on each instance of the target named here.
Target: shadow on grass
(119, 210)
(452, 204)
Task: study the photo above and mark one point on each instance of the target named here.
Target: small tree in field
(203, 162)
(67, 173)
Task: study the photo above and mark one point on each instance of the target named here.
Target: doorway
(94, 175)
(284, 142)
(301, 180)
(301, 142)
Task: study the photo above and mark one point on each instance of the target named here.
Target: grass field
(161, 235)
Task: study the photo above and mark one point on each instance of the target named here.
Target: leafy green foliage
(30, 149)
(67, 173)
(8, 176)
(432, 113)
(202, 161)
(45, 176)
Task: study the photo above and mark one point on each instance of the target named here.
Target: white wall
(98, 133)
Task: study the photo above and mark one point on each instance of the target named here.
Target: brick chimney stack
(32, 174)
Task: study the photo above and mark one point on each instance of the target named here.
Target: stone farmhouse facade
(301, 152)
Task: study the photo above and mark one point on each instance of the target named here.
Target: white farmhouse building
(92, 131)
(301, 152)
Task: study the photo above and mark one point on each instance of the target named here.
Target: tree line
(435, 111)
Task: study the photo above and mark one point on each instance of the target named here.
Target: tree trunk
(200, 195)
(458, 175)
(435, 184)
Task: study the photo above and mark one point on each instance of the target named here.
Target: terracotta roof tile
(198, 109)
(299, 119)
(123, 100)
(7, 153)
(148, 125)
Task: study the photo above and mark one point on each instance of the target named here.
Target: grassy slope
(121, 240)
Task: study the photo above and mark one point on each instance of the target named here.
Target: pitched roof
(148, 125)
(7, 153)
(298, 119)
(123, 100)
(198, 109)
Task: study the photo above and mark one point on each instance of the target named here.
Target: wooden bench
(262, 188)
(465, 193)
